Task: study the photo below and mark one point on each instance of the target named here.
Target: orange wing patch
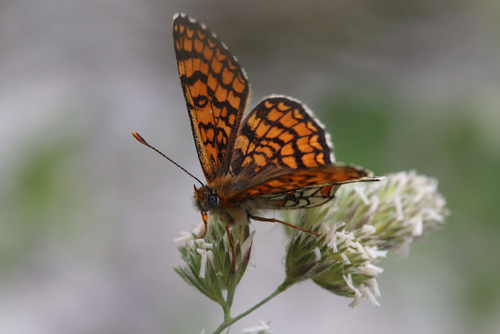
(216, 90)
(280, 134)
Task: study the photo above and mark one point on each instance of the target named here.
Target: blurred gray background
(88, 215)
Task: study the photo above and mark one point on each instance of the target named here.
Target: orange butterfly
(278, 157)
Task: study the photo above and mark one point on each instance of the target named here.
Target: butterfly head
(205, 198)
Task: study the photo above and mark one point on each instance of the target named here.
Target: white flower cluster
(364, 222)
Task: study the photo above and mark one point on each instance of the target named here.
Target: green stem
(228, 321)
(227, 305)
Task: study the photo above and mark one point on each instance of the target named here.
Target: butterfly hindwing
(280, 134)
(301, 198)
(216, 91)
(302, 188)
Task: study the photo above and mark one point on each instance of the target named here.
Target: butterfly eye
(212, 201)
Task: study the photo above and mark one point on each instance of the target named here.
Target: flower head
(208, 261)
(359, 227)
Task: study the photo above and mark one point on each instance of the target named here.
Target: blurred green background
(88, 215)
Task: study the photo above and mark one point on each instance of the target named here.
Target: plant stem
(229, 321)
(227, 305)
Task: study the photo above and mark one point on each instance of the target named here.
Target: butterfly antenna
(145, 143)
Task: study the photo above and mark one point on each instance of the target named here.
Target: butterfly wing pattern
(280, 134)
(215, 89)
(279, 157)
(304, 188)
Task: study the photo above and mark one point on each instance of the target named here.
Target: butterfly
(276, 157)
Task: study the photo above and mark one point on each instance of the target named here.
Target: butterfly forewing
(280, 134)
(215, 89)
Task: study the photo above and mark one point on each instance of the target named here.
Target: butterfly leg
(204, 217)
(274, 220)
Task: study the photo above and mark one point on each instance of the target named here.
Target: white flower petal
(374, 285)
(263, 328)
(317, 254)
(399, 208)
(361, 194)
(366, 293)
(199, 230)
(204, 259)
(418, 227)
(370, 270)
(345, 258)
(184, 237)
(374, 253)
(368, 229)
(247, 244)
(357, 299)
(333, 244)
